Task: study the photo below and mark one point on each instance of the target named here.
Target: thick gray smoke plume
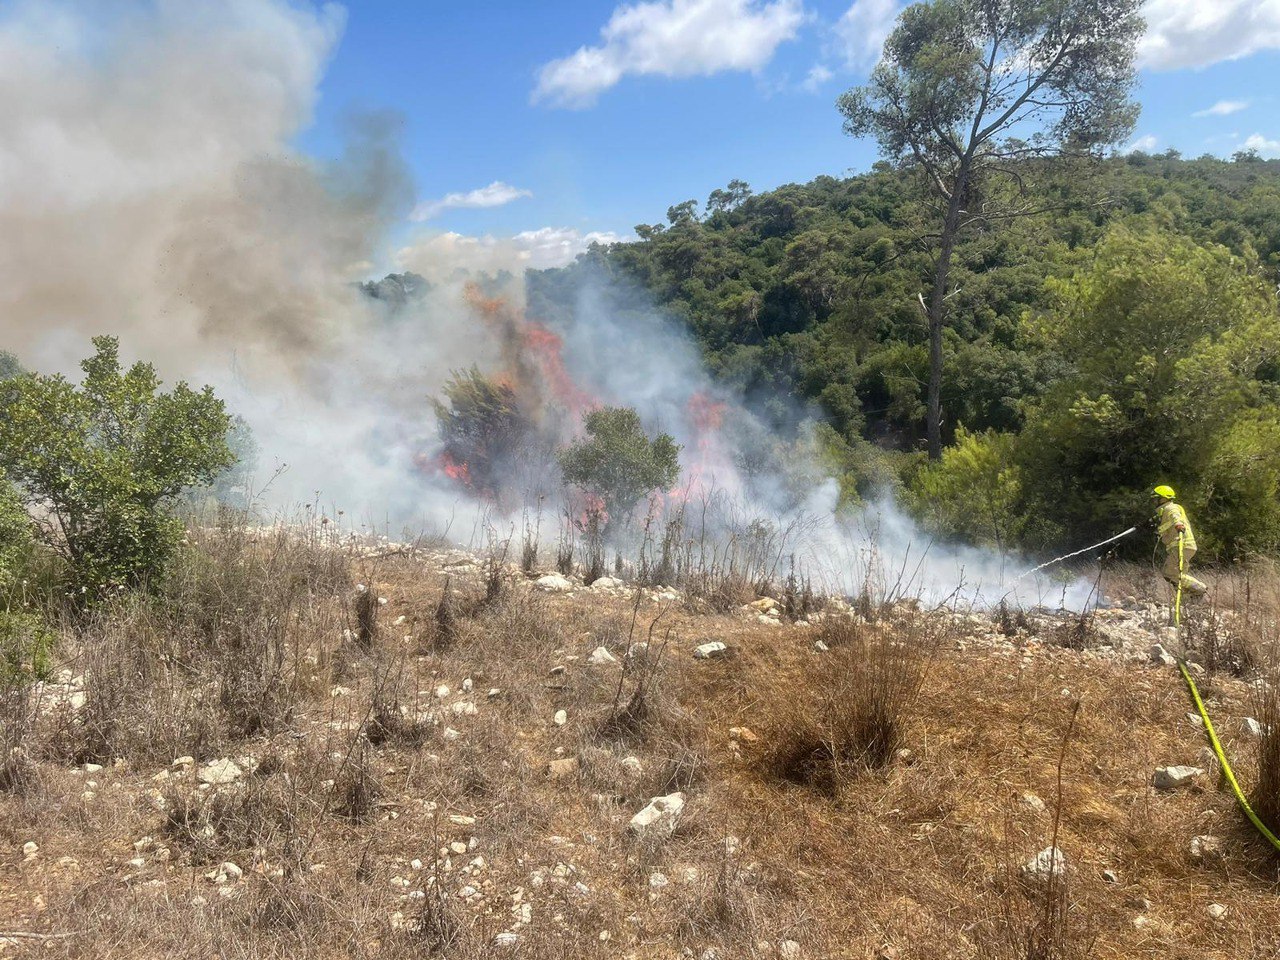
(149, 189)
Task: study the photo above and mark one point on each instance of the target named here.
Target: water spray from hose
(1068, 556)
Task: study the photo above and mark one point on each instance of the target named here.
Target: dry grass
(1265, 796)
(905, 835)
(856, 714)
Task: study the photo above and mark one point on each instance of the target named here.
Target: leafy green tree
(618, 462)
(685, 212)
(969, 93)
(729, 198)
(26, 643)
(104, 462)
(1174, 352)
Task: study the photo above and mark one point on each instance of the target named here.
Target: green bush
(10, 366)
(482, 429)
(618, 462)
(106, 461)
(1242, 496)
(974, 492)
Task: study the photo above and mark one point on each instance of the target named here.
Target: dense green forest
(1127, 335)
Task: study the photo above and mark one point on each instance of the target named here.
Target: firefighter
(1178, 539)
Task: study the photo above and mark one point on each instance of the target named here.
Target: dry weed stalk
(641, 666)
(447, 616)
(366, 619)
(529, 544)
(495, 568)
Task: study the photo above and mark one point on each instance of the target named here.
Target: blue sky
(586, 154)
(528, 128)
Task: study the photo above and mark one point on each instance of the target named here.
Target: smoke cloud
(149, 186)
(150, 189)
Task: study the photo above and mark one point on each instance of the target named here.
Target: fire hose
(1227, 772)
(1214, 742)
(1223, 763)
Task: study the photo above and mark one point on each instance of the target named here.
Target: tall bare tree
(968, 92)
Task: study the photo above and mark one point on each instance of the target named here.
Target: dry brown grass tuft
(856, 714)
(722, 907)
(213, 826)
(1219, 646)
(19, 774)
(357, 789)
(1034, 922)
(1078, 632)
(840, 631)
(718, 591)
(1011, 622)
(1265, 797)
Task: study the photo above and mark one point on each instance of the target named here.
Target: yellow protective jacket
(1167, 519)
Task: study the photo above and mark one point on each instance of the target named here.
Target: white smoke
(149, 189)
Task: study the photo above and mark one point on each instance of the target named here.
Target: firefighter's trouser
(1190, 585)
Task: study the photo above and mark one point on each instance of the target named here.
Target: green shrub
(973, 493)
(482, 429)
(26, 648)
(1242, 494)
(106, 461)
(15, 537)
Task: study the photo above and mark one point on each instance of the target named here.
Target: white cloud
(1196, 33)
(1265, 147)
(495, 194)
(816, 77)
(861, 32)
(1223, 108)
(671, 38)
(1144, 144)
(441, 256)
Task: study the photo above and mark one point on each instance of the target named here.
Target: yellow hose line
(1222, 759)
(1177, 602)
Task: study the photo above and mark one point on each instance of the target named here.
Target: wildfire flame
(454, 469)
(552, 401)
(707, 453)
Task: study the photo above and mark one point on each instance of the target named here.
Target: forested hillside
(1126, 333)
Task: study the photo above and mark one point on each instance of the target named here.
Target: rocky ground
(611, 771)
